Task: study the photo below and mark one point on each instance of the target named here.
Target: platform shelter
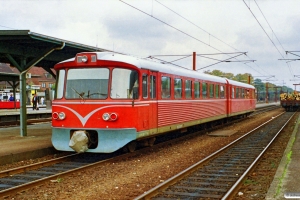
(24, 49)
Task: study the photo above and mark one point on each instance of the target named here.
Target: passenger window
(204, 90)
(237, 93)
(60, 84)
(217, 91)
(188, 89)
(232, 93)
(222, 91)
(145, 86)
(211, 90)
(153, 87)
(177, 88)
(243, 93)
(247, 95)
(197, 90)
(165, 87)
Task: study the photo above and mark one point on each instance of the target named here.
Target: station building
(38, 81)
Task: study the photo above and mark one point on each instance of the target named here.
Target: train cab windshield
(93, 83)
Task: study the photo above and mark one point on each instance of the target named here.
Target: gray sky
(174, 27)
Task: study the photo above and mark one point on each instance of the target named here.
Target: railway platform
(37, 143)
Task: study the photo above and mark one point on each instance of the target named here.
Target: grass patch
(250, 182)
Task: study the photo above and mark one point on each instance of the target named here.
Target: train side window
(237, 93)
(145, 86)
(188, 89)
(153, 87)
(60, 84)
(177, 88)
(243, 93)
(217, 91)
(125, 84)
(204, 90)
(232, 93)
(197, 90)
(211, 90)
(247, 95)
(222, 92)
(165, 87)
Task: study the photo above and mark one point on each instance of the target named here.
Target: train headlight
(105, 116)
(84, 59)
(61, 115)
(113, 116)
(55, 115)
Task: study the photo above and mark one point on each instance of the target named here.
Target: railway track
(15, 180)
(22, 178)
(265, 109)
(219, 175)
(29, 122)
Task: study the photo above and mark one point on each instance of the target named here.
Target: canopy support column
(23, 68)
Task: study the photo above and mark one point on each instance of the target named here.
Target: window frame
(167, 93)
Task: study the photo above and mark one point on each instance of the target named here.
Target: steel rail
(34, 166)
(232, 190)
(28, 185)
(264, 109)
(161, 187)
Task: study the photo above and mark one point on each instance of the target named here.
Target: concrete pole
(23, 108)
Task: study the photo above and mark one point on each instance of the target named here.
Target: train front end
(93, 109)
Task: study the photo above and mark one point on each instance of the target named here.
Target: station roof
(9, 77)
(24, 49)
(20, 44)
(7, 74)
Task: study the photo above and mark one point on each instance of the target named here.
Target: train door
(228, 98)
(153, 115)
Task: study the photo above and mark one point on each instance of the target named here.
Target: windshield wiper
(89, 95)
(80, 94)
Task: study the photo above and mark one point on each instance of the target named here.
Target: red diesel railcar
(105, 101)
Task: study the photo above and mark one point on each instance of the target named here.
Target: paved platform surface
(15, 148)
(36, 144)
(224, 133)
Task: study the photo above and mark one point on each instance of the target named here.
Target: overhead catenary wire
(210, 35)
(172, 26)
(288, 65)
(269, 24)
(8, 27)
(186, 33)
(262, 28)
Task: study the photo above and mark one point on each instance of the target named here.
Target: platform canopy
(24, 49)
(24, 46)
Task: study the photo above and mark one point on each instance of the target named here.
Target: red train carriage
(241, 98)
(105, 101)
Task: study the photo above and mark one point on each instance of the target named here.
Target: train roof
(232, 82)
(143, 63)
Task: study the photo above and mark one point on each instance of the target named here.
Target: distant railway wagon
(106, 101)
(290, 102)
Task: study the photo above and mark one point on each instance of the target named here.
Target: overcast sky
(175, 27)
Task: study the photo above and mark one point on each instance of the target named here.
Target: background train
(105, 101)
(290, 102)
